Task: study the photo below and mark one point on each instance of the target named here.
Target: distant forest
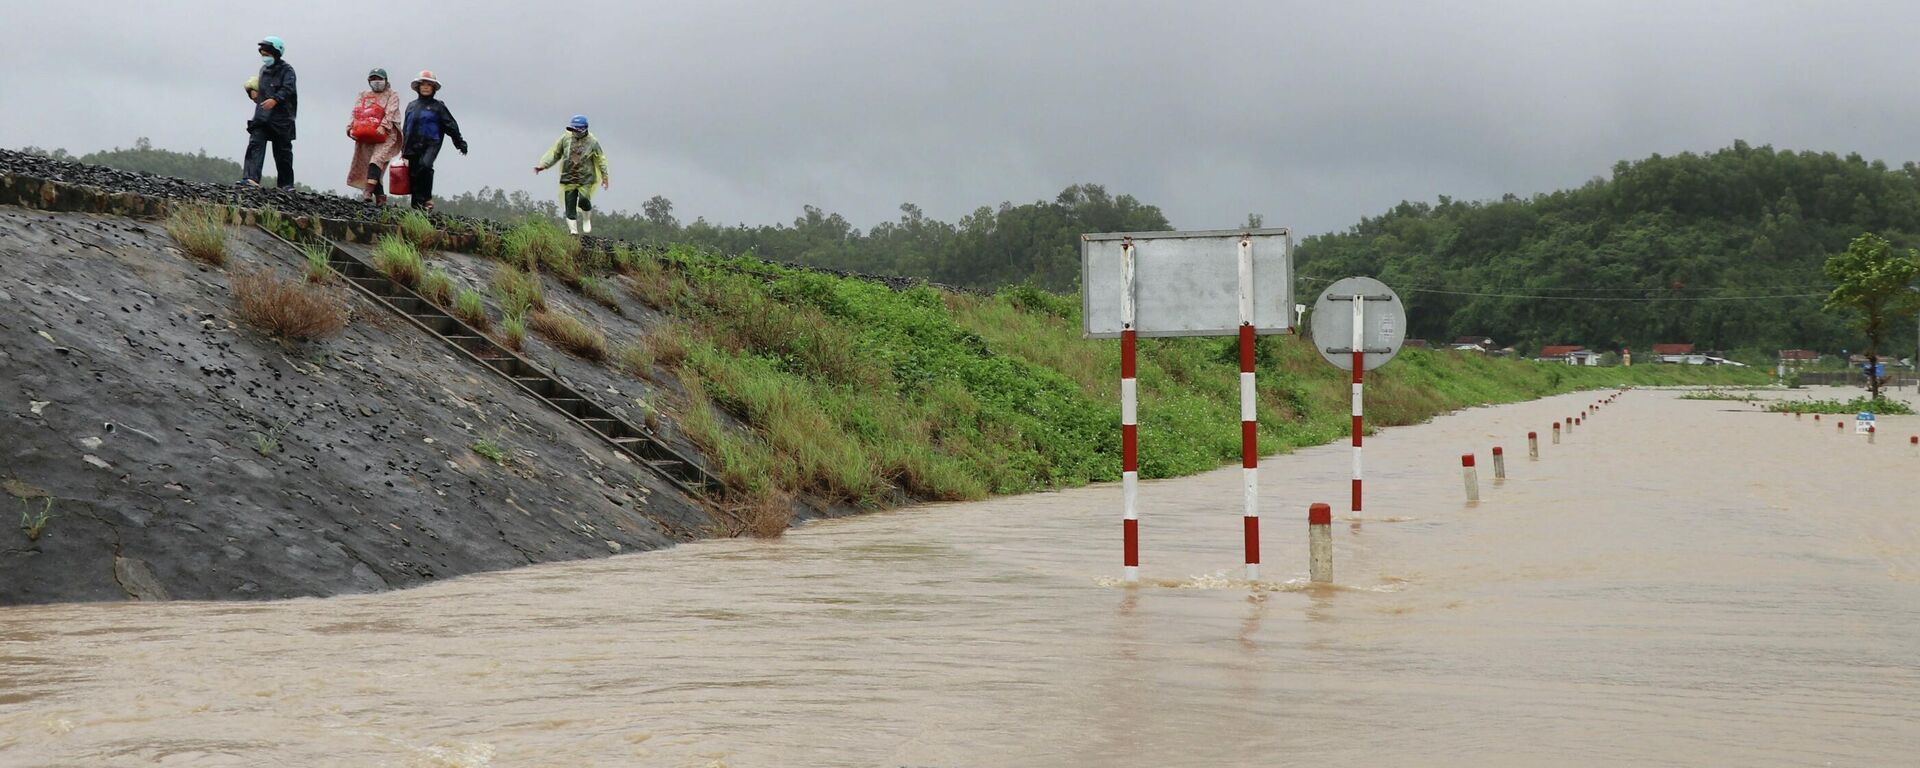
(1666, 249)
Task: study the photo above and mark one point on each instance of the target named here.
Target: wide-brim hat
(426, 76)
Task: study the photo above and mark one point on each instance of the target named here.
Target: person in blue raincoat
(429, 124)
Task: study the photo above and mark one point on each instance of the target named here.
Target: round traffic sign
(1365, 303)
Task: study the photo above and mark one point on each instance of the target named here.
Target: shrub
(418, 229)
(570, 335)
(596, 289)
(765, 515)
(318, 268)
(285, 309)
(437, 287)
(513, 331)
(201, 232)
(398, 260)
(667, 346)
(517, 291)
(31, 524)
(471, 308)
(272, 221)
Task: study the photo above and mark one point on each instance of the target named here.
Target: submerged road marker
(1472, 477)
(1320, 543)
(1499, 464)
(1556, 433)
(1533, 446)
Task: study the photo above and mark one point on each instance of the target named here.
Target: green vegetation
(518, 292)
(1881, 406)
(201, 232)
(844, 390)
(436, 286)
(569, 334)
(489, 450)
(33, 524)
(1876, 284)
(596, 289)
(319, 270)
(1037, 242)
(471, 308)
(1683, 237)
(398, 260)
(418, 229)
(513, 331)
(538, 245)
(272, 221)
(634, 360)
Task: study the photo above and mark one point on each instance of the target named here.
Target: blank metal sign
(1187, 283)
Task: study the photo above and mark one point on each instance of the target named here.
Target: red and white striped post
(1359, 376)
(1472, 477)
(1533, 446)
(1129, 423)
(1870, 432)
(1249, 418)
(1556, 433)
(1320, 543)
(1499, 463)
(1914, 440)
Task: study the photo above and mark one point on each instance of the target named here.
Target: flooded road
(1679, 583)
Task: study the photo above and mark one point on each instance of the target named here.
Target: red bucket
(399, 179)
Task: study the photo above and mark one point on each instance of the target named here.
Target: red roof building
(1559, 350)
(1673, 349)
(1798, 355)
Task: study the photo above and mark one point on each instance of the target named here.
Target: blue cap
(578, 123)
(272, 41)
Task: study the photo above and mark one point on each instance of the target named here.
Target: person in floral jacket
(374, 126)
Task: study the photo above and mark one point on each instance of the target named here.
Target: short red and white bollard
(1576, 421)
(1816, 417)
(1533, 446)
(1870, 431)
(1840, 425)
(1556, 433)
(1915, 440)
(1320, 543)
(1472, 477)
(1499, 463)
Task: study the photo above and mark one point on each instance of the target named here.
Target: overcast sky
(1313, 113)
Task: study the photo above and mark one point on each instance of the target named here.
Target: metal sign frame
(1187, 283)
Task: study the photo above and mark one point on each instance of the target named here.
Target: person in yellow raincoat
(582, 165)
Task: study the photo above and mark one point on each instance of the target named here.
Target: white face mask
(378, 86)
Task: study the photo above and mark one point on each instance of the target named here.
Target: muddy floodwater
(1679, 583)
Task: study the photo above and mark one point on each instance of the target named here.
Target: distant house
(1480, 344)
(1795, 358)
(1678, 353)
(1416, 344)
(1571, 354)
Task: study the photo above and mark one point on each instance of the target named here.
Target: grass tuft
(319, 270)
(489, 450)
(201, 232)
(518, 291)
(285, 309)
(418, 229)
(634, 359)
(538, 245)
(596, 289)
(1883, 406)
(471, 308)
(398, 260)
(570, 335)
(437, 287)
(513, 331)
(32, 524)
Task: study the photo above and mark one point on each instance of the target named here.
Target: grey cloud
(1314, 114)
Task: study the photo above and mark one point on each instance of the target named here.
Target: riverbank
(183, 454)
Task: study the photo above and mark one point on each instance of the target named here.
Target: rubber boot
(573, 227)
(586, 222)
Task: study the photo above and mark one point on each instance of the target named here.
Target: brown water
(1681, 583)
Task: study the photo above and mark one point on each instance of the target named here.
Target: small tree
(1875, 283)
